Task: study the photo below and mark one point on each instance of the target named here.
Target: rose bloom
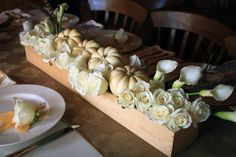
(178, 97)
(180, 119)
(140, 86)
(200, 111)
(82, 82)
(73, 75)
(160, 113)
(144, 101)
(161, 97)
(96, 84)
(126, 99)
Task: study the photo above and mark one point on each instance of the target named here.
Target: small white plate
(3, 18)
(54, 102)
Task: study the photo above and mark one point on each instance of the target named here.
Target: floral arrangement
(94, 69)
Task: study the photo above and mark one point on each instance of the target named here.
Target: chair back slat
(183, 44)
(172, 38)
(125, 19)
(106, 17)
(131, 28)
(116, 17)
(209, 51)
(197, 47)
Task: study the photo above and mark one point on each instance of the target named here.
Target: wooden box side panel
(157, 135)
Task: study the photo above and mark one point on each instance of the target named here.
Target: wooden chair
(127, 14)
(230, 46)
(193, 37)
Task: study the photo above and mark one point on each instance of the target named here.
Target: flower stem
(194, 93)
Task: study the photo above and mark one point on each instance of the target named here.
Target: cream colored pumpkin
(86, 48)
(124, 78)
(108, 55)
(68, 36)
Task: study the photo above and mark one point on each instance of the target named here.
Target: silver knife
(45, 140)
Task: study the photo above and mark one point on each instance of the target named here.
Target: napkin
(18, 16)
(5, 80)
(16, 13)
(88, 25)
(72, 145)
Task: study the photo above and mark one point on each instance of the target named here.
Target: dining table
(216, 137)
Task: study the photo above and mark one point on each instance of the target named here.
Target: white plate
(55, 104)
(3, 18)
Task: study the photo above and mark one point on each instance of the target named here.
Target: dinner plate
(55, 105)
(3, 18)
(106, 38)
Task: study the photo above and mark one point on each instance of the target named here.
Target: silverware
(45, 140)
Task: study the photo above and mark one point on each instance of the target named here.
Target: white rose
(144, 101)
(180, 119)
(200, 111)
(24, 112)
(160, 113)
(105, 69)
(161, 97)
(81, 82)
(178, 97)
(140, 86)
(126, 99)
(96, 84)
(64, 61)
(79, 64)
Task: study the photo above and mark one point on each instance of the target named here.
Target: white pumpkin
(68, 36)
(86, 48)
(108, 55)
(124, 78)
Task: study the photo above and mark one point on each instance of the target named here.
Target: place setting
(30, 122)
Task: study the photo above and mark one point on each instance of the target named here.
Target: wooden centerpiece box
(156, 135)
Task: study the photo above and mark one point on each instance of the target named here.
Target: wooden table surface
(216, 138)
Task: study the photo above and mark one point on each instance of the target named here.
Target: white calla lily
(24, 112)
(164, 67)
(220, 93)
(135, 61)
(227, 115)
(189, 75)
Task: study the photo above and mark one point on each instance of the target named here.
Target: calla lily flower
(231, 116)
(164, 67)
(221, 92)
(135, 61)
(189, 75)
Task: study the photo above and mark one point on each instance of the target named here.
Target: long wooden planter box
(156, 135)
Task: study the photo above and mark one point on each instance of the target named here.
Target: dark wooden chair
(230, 46)
(193, 37)
(127, 14)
